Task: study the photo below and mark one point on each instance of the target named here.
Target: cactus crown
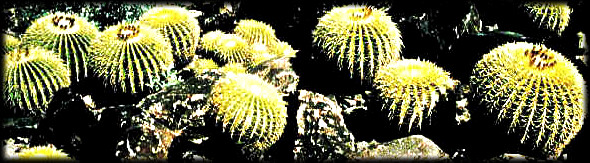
(130, 56)
(359, 39)
(534, 91)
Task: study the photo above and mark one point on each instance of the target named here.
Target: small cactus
(48, 152)
(249, 109)
(199, 65)
(66, 34)
(254, 31)
(227, 48)
(30, 77)
(130, 56)
(550, 15)
(410, 90)
(179, 26)
(359, 39)
(535, 92)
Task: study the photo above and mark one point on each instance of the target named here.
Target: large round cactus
(535, 92)
(66, 34)
(30, 77)
(181, 28)
(249, 109)
(359, 39)
(130, 57)
(410, 90)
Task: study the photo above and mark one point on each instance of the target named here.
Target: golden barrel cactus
(551, 15)
(248, 109)
(534, 92)
(66, 34)
(181, 28)
(254, 31)
(359, 38)
(30, 77)
(410, 90)
(130, 57)
(9, 43)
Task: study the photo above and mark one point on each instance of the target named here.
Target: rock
(278, 72)
(164, 116)
(321, 132)
(69, 122)
(415, 147)
(506, 157)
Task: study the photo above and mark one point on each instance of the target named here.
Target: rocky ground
(330, 116)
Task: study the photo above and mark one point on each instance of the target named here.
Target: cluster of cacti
(551, 15)
(410, 90)
(181, 28)
(48, 152)
(250, 111)
(30, 77)
(533, 91)
(9, 43)
(130, 56)
(359, 38)
(251, 43)
(66, 34)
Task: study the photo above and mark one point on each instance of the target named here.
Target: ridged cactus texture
(255, 31)
(66, 34)
(48, 152)
(130, 57)
(227, 48)
(551, 15)
(179, 26)
(533, 91)
(250, 111)
(410, 90)
(30, 77)
(9, 43)
(359, 38)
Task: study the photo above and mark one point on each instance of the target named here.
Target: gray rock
(321, 132)
(415, 147)
(278, 72)
(164, 116)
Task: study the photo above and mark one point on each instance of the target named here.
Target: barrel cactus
(534, 92)
(410, 90)
(551, 15)
(227, 48)
(179, 26)
(359, 39)
(201, 64)
(66, 34)
(250, 111)
(48, 152)
(130, 57)
(30, 77)
(254, 31)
